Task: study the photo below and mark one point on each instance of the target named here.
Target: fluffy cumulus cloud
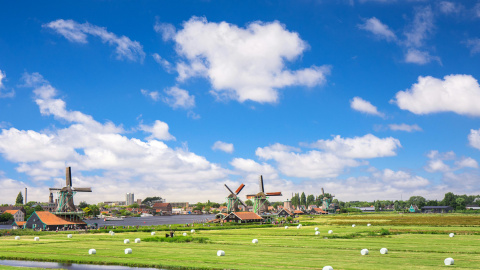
(368, 146)
(223, 146)
(178, 98)
(361, 105)
(242, 63)
(474, 138)
(154, 95)
(455, 93)
(119, 163)
(3, 93)
(419, 57)
(404, 127)
(379, 29)
(73, 31)
(163, 62)
(401, 179)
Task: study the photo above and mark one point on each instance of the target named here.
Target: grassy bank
(411, 241)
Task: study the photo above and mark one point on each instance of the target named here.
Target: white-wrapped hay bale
(128, 251)
(112, 234)
(17, 237)
(153, 233)
(220, 253)
(286, 227)
(317, 233)
(364, 251)
(300, 225)
(383, 251)
(184, 234)
(126, 241)
(69, 236)
(328, 267)
(92, 251)
(448, 261)
(255, 241)
(316, 228)
(369, 224)
(192, 231)
(330, 232)
(36, 239)
(451, 235)
(353, 225)
(137, 240)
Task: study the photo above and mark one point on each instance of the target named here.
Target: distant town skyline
(368, 99)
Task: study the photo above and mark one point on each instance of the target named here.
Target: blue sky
(368, 99)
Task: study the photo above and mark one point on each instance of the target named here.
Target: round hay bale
(36, 239)
(300, 225)
(327, 268)
(330, 232)
(369, 224)
(383, 251)
(184, 234)
(128, 251)
(451, 235)
(153, 233)
(255, 241)
(317, 233)
(126, 241)
(316, 228)
(192, 231)
(112, 234)
(220, 253)
(353, 225)
(92, 251)
(137, 240)
(286, 227)
(17, 237)
(448, 261)
(364, 251)
(69, 236)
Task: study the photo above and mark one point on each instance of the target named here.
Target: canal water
(69, 266)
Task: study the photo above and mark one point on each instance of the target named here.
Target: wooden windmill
(65, 194)
(326, 200)
(260, 198)
(233, 200)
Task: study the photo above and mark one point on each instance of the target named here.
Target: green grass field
(412, 243)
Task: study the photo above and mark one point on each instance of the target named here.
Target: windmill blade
(239, 189)
(261, 184)
(54, 189)
(242, 202)
(323, 193)
(273, 193)
(228, 188)
(68, 176)
(85, 189)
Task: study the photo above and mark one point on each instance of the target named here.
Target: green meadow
(413, 241)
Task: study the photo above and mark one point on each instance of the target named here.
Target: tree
(149, 200)
(6, 217)
(310, 200)
(396, 206)
(303, 199)
(134, 205)
(460, 203)
(95, 209)
(82, 205)
(249, 202)
(419, 201)
(19, 200)
(377, 206)
(38, 207)
(87, 210)
(450, 200)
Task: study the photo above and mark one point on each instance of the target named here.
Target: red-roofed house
(318, 211)
(243, 217)
(163, 208)
(17, 214)
(47, 221)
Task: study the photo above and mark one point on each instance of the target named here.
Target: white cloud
(164, 63)
(251, 166)
(179, 98)
(379, 29)
(421, 27)
(313, 164)
(119, 164)
(2, 87)
(455, 93)
(402, 179)
(166, 30)
(447, 7)
(154, 95)
(474, 138)
(243, 63)
(404, 127)
(467, 163)
(125, 48)
(368, 146)
(223, 146)
(361, 105)
(437, 165)
(434, 154)
(420, 57)
(159, 130)
(474, 45)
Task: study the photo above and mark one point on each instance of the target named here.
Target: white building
(129, 199)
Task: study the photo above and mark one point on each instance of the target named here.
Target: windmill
(65, 194)
(260, 198)
(326, 200)
(233, 200)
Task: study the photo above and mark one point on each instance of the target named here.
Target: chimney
(25, 196)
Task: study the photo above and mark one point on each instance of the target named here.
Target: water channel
(69, 266)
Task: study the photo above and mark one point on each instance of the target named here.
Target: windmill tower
(260, 198)
(326, 200)
(233, 200)
(65, 194)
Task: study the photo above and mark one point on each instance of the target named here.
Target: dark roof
(436, 207)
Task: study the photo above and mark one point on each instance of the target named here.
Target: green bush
(176, 239)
